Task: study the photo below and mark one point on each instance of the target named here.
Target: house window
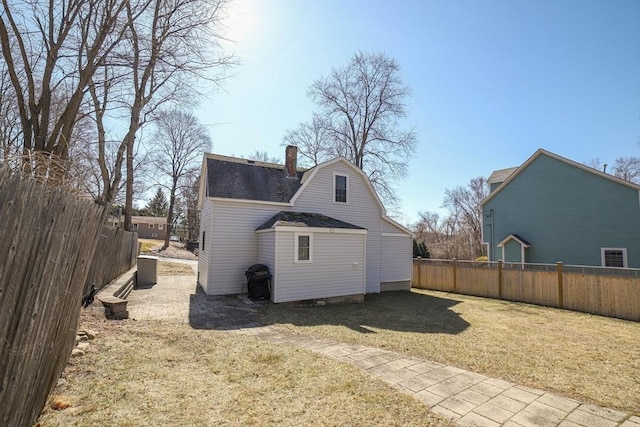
(303, 248)
(614, 257)
(150, 225)
(202, 243)
(134, 226)
(340, 188)
(160, 226)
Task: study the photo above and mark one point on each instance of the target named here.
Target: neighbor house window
(303, 251)
(160, 226)
(150, 225)
(134, 226)
(614, 257)
(202, 243)
(340, 188)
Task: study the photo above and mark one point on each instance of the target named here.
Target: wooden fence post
(454, 263)
(500, 279)
(560, 290)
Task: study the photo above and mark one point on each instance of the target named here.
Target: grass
(591, 358)
(174, 269)
(161, 373)
(148, 245)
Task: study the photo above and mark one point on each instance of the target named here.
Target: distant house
(322, 232)
(553, 209)
(147, 227)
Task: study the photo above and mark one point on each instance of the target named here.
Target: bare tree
(52, 50)
(459, 234)
(597, 164)
(190, 192)
(180, 141)
(10, 128)
(312, 139)
(360, 107)
(263, 156)
(171, 47)
(627, 168)
(462, 203)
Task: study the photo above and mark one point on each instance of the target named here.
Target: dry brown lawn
(591, 358)
(161, 373)
(149, 245)
(166, 268)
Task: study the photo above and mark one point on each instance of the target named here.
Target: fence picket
(48, 246)
(613, 293)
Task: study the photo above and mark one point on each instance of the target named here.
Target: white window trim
(624, 256)
(151, 226)
(333, 195)
(134, 226)
(295, 249)
(160, 226)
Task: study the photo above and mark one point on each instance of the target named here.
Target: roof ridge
(243, 161)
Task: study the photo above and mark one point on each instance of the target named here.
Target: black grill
(258, 282)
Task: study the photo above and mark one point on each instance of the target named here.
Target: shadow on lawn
(221, 312)
(402, 311)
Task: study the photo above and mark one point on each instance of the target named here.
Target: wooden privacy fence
(47, 242)
(117, 252)
(604, 291)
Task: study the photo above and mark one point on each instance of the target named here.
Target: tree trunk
(172, 202)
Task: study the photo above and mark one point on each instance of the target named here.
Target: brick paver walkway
(467, 397)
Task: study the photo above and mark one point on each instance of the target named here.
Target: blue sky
(492, 81)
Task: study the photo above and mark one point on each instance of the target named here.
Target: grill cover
(258, 282)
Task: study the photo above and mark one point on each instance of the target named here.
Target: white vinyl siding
(396, 261)
(363, 210)
(234, 243)
(206, 219)
(267, 252)
(396, 258)
(390, 228)
(337, 268)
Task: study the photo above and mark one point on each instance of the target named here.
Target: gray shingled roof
(233, 178)
(501, 175)
(306, 219)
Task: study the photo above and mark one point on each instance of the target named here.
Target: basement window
(614, 257)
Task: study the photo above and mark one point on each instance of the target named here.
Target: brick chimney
(291, 161)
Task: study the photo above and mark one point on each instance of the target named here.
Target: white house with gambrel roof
(322, 232)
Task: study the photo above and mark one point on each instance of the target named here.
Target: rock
(88, 333)
(81, 338)
(84, 346)
(77, 352)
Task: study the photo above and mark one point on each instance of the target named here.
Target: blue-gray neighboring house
(553, 209)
